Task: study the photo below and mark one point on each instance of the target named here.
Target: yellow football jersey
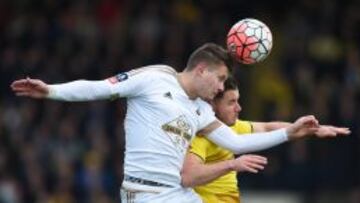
(223, 189)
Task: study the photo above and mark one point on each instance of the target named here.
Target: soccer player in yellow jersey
(207, 165)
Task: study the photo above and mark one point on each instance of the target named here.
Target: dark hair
(210, 53)
(230, 84)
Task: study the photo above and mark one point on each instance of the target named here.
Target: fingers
(331, 131)
(251, 163)
(304, 126)
(25, 82)
(19, 83)
(22, 94)
(20, 86)
(306, 122)
(33, 82)
(30, 87)
(257, 158)
(341, 131)
(309, 125)
(309, 121)
(250, 169)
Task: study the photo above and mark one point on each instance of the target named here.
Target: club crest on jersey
(179, 132)
(118, 78)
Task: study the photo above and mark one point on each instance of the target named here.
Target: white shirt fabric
(159, 124)
(160, 121)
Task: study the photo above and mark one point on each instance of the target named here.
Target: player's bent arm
(223, 136)
(80, 90)
(268, 126)
(195, 172)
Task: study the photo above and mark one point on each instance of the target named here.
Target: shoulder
(242, 127)
(205, 106)
(154, 69)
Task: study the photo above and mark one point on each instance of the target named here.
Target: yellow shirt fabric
(223, 189)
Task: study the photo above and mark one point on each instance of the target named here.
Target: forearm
(276, 125)
(226, 138)
(201, 174)
(80, 90)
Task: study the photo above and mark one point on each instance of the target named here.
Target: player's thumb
(33, 82)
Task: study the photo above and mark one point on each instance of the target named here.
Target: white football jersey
(160, 122)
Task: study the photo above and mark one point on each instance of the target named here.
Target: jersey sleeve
(242, 127)
(198, 147)
(130, 84)
(126, 84)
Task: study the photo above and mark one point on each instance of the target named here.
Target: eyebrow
(223, 77)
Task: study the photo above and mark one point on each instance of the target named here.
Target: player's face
(227, 108)
(212, 82)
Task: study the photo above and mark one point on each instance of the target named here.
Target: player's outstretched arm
(225, 137)
(80, 90)
(195, 172)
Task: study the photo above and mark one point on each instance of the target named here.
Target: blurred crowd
(73, 152)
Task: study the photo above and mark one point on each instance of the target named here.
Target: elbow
(186, 183)
(186, 180)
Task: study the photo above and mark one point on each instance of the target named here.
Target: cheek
(214, 83)
(226, 111)
(230, 111)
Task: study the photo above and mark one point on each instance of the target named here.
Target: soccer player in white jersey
(165, 110)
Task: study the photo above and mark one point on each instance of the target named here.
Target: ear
(200, 68)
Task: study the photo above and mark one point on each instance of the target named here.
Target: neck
(185, 79)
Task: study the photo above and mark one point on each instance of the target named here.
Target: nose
(221, 87)
(238, 108)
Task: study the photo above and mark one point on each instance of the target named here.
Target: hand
(249, 163)
(331, 131)
(304, 126)
(30, 88)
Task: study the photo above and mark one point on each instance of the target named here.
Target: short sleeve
(242, 127)
(198, 146)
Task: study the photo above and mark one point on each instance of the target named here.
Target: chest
(170, 102)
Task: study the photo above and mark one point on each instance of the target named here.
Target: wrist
(231, 165)
(289, 133)
(51, 93)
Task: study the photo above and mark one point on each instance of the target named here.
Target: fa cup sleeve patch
(118, 78)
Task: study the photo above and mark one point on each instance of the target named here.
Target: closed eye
(222, 78)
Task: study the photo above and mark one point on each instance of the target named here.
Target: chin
(208, 98)
(231, 123)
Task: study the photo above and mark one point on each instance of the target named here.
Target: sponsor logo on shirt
(118, 78)
(179, 132)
